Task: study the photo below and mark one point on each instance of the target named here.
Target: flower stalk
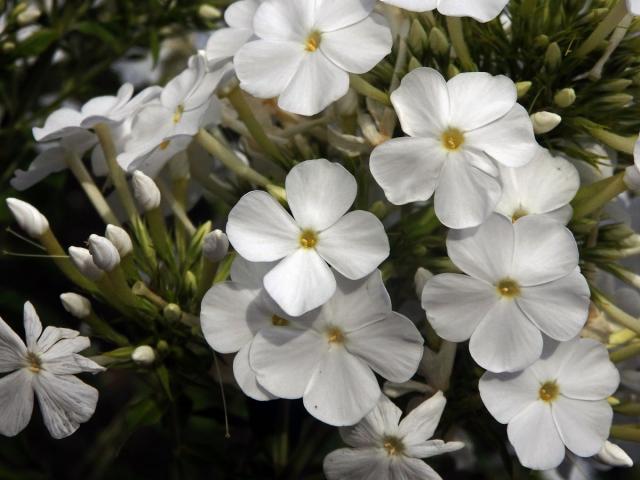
(454, 26)
(602, 31)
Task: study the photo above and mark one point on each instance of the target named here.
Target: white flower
(120, 239)
(146, 191)
(560, 400)
(521, 279)
(319, 194)
(305, 50)
(34, 223)
(459, 131)
(545, 185)
(331, 363)
(46, 365)
(234, 312)
(114, 110)
(544, 122)
(104, 253)
(61, 123)
(215, 246)
(76, 305)
(385, 449)
(481, 10)
(633, 7)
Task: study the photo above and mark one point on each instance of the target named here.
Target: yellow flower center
(452, 139)
(508, 288)
(519, 213)
(308, 239)
(335, 335)
(34, 364)
(177, 115)
(549, 391)
(312, 42)
(278, 321)
(165, 144)
(393, 446)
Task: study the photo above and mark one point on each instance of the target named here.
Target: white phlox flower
(544, 186)
(633, 6)
(114, 110)
(305, 50)
(319, 233)
(387, 448)
(459, 132)
(481, 10)
(559, 401)
(46, 366)
(522, 280)
(330, 362)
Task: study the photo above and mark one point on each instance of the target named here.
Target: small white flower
(545, 185)
(331, 363)
(521, 279)
(46, 365)
(633, 7)
(215, 246)
(146, 191)
(305, 50)
(544, 122)
(386, 447)
(144, 355)
(82, 259)
(459, 131)
(76, 305)
(560, 400)
(61, 123)
(613, 455)
(120, 239)
(114, 110)
(481, 10)
(104, 253)
(319, 233)
(28, 217)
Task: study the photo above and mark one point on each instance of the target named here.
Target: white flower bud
(208, 12)
(421, 278)
(144, 355)
(565, 97)
(120, 239)
(82, 259)
(28, 217)
(30, 15)
(215, 246)
(146, 191)
(632, 178)
(544, 122)
(105, 254)
(613, 455)
(76, 305)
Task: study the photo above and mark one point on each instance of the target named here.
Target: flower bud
(144, 355)
(565, 97)
(28, 217)
(541, 41)
(553, 56)
(29, 15)
(613, 455)
(421, 278)
(172, 312)
(417, 38)
(452, 71)
(82, 259)
(120, 239)
(632, 178)
(617, 100)
(208, 12)
(146, 191)
(105, 254)
(413, 64)
(544, 122)
(618, 85)
(76, 305)
(523, 88)
(438, 41)
(215, 246)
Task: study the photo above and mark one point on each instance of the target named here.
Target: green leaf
(94, 29)
(36, 43)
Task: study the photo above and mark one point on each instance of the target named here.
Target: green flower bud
(619, 85)
(452, 70)
(417, 38)
(172, 312)
(523, 88)
(208, 12)
(541, 41)
(379, 209)
(553, 56)
(413, 64)
(438, 41)
(617, 100)
(565, 97)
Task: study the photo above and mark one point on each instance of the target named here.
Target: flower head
(28, 217)
(481, 10)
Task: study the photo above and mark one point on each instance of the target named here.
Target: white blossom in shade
(104, 253)
(304, 51)
(224, 43)
(120, 239)
(46, 366)
(633, 6)
(459, 132)
(116, 109)
(320, 233)
(481, 10)
(545, 186)
(385, 447)
(76, 305)
(522, 280)
(233, 312)
(83, 261)
(34, 223)
(560, 400)
(61, 123)
(330, 362)
(146, 191)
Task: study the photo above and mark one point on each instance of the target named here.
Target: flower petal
(414, 5)
(408, 169)
(583, 425)
(408, 467)
(432, 448)
(421, 422)
(240, 14)
(246, 377)
(482, 11)
(12, 349)
(223, 44)
(284, 20)
(16, 398)
(507, 394)
(249, 274)
(70, 365)
(369, 432)
(32, 326)
(319, 192)
(356, 463)
(332, 15)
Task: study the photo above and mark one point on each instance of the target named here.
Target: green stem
(625, 352)
(629, 409)
(456, 33)
(617, 142)
(62, 261)
(602, 31)
(591, 198)
(363, 87)
(104, 330)
(176, 207)
(207, 276)
(159, 234)
(616, 314)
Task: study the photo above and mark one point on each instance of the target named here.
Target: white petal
(32, 326)
(465, 195)
(65, 402)
(356, 464)
(485, 252)
(535, 437)
(392, 347)
(342, 390)
(483, 11)
(265, 68)
(47, 162)
(432, 448)
(479, 98)
(455, 304)
(334, 14)
(285, 359)
(12, 349)
(53, 335)
(562, 214)
(369, 432)
(66, 346)
(284, 20)
(223, 44)
(559, 308)
(507, 394)
(355, 245)
(60, 123)
(249, 274)
(240, 14)
(505, 341)
(317, 83)
(544, 250)
(509, 140)
(70, 365)
(358, 48)
(414, 5)
(319, 192)
(246, 377)
(407, 168)
(407, 467)
(421, 422)
(260, 229)
(16, 398)
(300, 282)
(422, 103)
(583, 425)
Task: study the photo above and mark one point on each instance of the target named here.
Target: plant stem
(456, 33)
(617, 315)
(626, 432)
(104, 330)
(592, 197)
(176, 207)
(363, 87)
(625, 353)
(617, 142)
(61, 259)
(613, 18)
